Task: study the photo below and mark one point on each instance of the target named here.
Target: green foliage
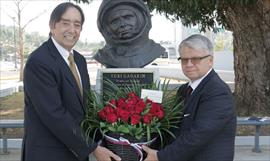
(86, 46)
(223, 41)
(10, 46)
(208, 14)
(7, 41)
(32, 41)
(83, 1)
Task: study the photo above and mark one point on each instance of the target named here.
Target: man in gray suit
(56, 83)
(207, 131)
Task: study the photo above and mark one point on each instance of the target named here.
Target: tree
(249, 22)
(7, 41)
(21, 30)
(32, 41)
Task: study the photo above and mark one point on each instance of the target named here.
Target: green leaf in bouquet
(148, 133)
(138, 131)
(146, 110)
(122, 129)
(160, 136)
(158, 124)
(169, 132)
(102, 124)
(138, 136)
(112, 128)
(104, 131)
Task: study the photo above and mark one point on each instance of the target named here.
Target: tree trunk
(21, 43)
(251, 32)
(21, 52)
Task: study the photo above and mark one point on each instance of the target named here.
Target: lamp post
(15, 46)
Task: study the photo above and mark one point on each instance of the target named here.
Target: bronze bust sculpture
(125, 25)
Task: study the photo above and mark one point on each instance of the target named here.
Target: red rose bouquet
(130, 115)
(122, 111)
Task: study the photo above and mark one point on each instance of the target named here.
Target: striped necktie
(74, 71)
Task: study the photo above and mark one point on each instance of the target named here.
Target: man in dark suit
(207, 131)
(56, 83)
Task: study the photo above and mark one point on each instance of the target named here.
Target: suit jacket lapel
(203, 82)
(65, 68)
(189, 105)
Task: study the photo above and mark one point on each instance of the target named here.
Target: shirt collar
(194, 84)
(63, 52)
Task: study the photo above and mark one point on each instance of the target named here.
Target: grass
(12, 107)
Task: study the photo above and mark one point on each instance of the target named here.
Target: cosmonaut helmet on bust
(106, 15)
(125, 26)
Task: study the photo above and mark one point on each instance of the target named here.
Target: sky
(162, 29)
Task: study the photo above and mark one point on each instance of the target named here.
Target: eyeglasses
(194, 60)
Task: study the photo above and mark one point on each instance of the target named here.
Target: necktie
(74, 71)
(188, 93)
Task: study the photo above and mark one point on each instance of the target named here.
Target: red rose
(123, 114)
(147, 119)
(139, 107)
(132, 95)
(108, 109)
(111, 118)
(106, 112)
(113, 102)
(154, 108)
(135, 119)
(159, 114)
(157, 110)
(102, 114)
(130, 104)
(121, 103)
(148, 101)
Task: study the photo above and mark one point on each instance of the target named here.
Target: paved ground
(242, 153)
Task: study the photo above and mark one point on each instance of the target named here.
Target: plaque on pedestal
(125, 76)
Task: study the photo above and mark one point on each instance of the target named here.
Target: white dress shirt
(64, 53)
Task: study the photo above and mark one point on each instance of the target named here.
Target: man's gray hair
(198, 42)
